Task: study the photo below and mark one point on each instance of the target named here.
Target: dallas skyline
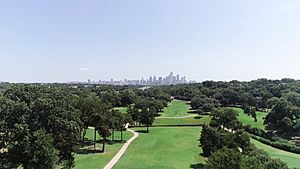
(170, 79)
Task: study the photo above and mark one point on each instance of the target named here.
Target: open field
(292, 159)
(164, 148)
(99, 160)
(245, 119)
(176, 108)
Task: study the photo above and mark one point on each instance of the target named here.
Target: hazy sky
(64, 40)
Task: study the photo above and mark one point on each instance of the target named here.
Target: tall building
(154, 80)
(160, 80)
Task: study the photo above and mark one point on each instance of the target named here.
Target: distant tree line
(280, 98)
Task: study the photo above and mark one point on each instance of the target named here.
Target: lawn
(292, 159)
(164, 148)
(99, 160)
(197, 120)
(122, 109)
(176, 108)
(245, 119)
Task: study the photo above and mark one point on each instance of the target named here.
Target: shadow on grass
(192, 111)
(197, 166)
(198, 117)
(89, 151)
(114, 142)
(141, 131)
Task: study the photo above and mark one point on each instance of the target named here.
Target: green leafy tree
(41, 152)
(224, 159)
(225, 118)
(147, 117)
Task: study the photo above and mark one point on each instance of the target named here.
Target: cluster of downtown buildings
(151, 81)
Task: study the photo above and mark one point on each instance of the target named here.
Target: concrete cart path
(122, 150)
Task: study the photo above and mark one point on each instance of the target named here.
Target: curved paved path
(122, 150)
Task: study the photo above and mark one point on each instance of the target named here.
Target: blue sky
(59, 41)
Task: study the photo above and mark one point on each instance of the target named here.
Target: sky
(76, 40)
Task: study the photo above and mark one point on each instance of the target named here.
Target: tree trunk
(113, 135)
(121, 135)
(25, 165)
(83, 134)
(147, 128)
(103, 144)
(95, 138)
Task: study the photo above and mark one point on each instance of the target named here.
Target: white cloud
(84, 69)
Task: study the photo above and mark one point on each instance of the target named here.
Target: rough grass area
(164, 148)
(245, 119)
(176, 108)
(292, 159)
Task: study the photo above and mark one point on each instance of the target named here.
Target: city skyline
(170, 79)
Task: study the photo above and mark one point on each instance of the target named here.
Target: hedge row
(270, 139)
(281, 146)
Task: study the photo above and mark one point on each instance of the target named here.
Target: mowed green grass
(99, 160)
(176, 108)
(122, 109)
(163, 148)
(292, 159)
(245, 119)
(197, 120)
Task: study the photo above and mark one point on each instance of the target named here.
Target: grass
(176, 108)
(245, 119)
(292, 159)
(122, 109)
(164, 148)
(197, 120)
(99, 160)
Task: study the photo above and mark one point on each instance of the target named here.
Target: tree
(128, 97)
(101, 120)
(241, 139)
(147, 117)
(272, 101)
(198, 101)
(283, 116)
(225, 118)
(33, 107)
(210, 140)
(292, 97)
(117, 121)
(104, 132)
(86, 102)
(41, 151)
(275, 164)
(224, 159)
